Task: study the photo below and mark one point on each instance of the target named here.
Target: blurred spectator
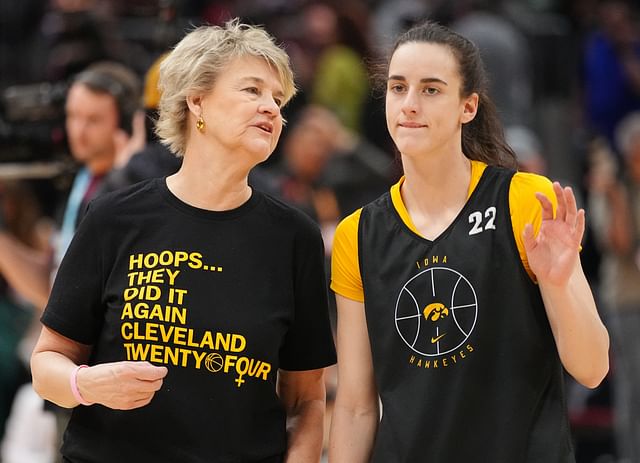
(31, 434)
(611, 76)
(526, 144)
(75, 34)
(327, 170)
(20, 215)
(307, 150)
(616, 212)
(392, 17)
(506, 55)
(100, 108)
(338, 48)
(19, 38)
(154, 159)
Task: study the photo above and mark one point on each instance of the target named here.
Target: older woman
(198, 303)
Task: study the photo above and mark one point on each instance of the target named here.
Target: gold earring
(200, 124)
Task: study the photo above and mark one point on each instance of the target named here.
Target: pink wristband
(73, 380)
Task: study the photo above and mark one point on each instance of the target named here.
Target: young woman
(460, 292)
(198, 303)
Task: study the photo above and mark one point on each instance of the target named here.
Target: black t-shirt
(223, 299)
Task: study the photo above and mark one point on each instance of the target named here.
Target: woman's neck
(434, 191)
(209, 182)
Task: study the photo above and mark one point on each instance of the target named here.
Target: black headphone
(119, 82)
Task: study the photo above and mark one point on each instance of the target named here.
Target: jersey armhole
(346, 279)
(525, 208)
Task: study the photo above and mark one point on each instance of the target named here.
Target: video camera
(32, 122)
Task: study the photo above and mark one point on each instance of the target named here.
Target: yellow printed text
(181, 336)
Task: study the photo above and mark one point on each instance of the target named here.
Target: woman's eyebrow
(424, 80)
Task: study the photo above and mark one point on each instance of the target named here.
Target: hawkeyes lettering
(442, 362)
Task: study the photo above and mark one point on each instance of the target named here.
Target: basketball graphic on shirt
(214, 362)
(436, 311)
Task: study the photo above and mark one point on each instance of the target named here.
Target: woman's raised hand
(554, 252)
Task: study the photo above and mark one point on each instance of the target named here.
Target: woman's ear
(194, 103)
(470, 108)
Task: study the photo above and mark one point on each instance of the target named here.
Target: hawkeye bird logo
(434, 312)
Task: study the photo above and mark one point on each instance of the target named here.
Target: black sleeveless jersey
(465, 362)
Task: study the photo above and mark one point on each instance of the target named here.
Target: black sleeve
(75, 307)
(309, 342)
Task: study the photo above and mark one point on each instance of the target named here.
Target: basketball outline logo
(431, 311)
(214, 362)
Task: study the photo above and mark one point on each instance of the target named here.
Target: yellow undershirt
(524, 207)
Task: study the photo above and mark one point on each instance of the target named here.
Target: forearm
(352, 433)
(305, 425)
(53, 359)
(25, 269)
(51, 372)
(581, 338)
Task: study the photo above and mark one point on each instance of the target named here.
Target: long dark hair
(483, 137)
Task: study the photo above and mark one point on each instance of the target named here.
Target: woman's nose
(269, 106)
(410, 102)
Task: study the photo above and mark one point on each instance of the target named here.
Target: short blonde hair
(195, 63)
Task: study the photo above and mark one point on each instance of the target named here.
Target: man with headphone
(100, 108)
(155, 159)
(104, 128)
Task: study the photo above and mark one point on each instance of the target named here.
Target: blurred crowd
(565, 76)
